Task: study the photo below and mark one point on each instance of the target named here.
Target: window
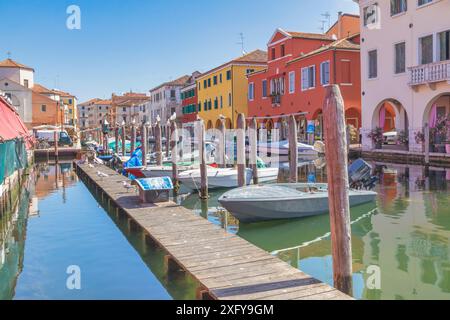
(398, 6)
(26, 84)
(124, 109)
(248, 71)
(216, 103)
(308, 78)
(199, 86)
(422, 2)
(400, 58)
(273, 54)
(205, 106)
(264, 88)
(209, 104)
(251, 91)
(373, 64)
(220, 78)
(283, 50)
(230, 102)
(444, 45)
(325, 73)
(100, 108)
(44, 108)
(172, 94)
(370, 14)
(221, 102)
(215, 80)
(346, 73)
(229, 75)
(426, 49)
(209, 82)
(205, 83)
(70, 101)
(292, 82)
(199, 107)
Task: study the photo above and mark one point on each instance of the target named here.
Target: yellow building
(223, 91)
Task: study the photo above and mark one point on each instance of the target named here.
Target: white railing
(430, 73)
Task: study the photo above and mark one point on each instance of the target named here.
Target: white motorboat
(284, 201)
(281, 148)
(217, 178)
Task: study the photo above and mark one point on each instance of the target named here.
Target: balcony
(429, 73)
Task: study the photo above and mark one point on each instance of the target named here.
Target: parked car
(390, 137)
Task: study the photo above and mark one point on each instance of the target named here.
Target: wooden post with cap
(158, 146)
(293, 150)
(144, 144)
(174, 147)
(241, 163)
(203, 169)
(253, 157)
(338, 188)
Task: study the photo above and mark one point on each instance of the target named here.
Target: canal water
(401, 246)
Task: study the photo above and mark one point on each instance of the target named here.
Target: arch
(437, 116)
(441, 100)
(353, 117)
(209, 125)
(396, 117)
(218, 123)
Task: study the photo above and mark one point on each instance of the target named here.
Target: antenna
(242, 43)
(322, 28)
(327, 17)
(9, 54)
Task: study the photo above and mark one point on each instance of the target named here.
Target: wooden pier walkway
(226, 266)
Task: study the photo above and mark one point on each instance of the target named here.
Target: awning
(11, 126)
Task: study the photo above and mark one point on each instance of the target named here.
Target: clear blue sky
(138, 44)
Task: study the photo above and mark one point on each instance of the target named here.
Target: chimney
(340, 25)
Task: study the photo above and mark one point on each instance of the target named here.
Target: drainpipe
(339, 35)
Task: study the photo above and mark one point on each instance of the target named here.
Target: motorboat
(284, 201)
(217, 178)
(281, 148)
(155, 171)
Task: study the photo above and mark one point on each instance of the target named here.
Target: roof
(40, 89)
(343, 44)
(177, 82)
(254, 57)
(103, 102)
(312, 36)
(348, 15)
(9, 63)
(89, 102)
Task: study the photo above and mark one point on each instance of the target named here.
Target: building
(166, 99)
(16, 81)
(405, 55)
(189, 100)
(299, 68)
(222, 91)
(69, 103)
(128, 107)
(92, 113)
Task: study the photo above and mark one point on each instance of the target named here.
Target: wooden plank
(224, 264)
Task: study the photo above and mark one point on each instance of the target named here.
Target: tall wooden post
(203, 169)
(133, 138)
(116, 138)
(338, 188)
(158, 146)
(222, 159)
(124, 140)
(105, 144)
(253, 140)
(426, 132)
(144, 145)
(168, 139)
(241, 150)
(56, 138)
(174, 146)
(293, 150)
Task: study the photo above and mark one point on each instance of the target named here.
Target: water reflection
(406, 233)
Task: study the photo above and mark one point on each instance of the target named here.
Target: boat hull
(192, 179)
(256, 210)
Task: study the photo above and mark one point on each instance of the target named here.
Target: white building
(16, 81)
(405, 55)
(92, 113)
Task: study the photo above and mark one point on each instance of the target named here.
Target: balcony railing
(430, 73)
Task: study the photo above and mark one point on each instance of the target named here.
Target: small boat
(284, 201)
(217, 178)
(281, 148)
(158, 171)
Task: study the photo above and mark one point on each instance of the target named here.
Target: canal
(403, 239)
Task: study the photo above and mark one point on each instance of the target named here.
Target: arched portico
(436, 118)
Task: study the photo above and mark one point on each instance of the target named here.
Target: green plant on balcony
(402, 138)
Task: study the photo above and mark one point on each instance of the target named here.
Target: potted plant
(376, 135)
(403, 138)
(419, 136)
(439, 134)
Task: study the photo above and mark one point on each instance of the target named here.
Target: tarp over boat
(11, 126)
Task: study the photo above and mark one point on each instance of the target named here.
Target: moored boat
(284, 201)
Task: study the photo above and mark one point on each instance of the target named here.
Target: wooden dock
(226, 266)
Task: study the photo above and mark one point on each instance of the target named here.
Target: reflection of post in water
(204, 208)
(56, 174)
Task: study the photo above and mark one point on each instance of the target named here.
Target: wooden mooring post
(168, 134)
(426, 132)
(55, 137)
(174, 145)
(222, 145)
(253, 157)
(158, 146)
(116, 138)
(144, 144)
(124, 140)
(241, 163)
(133, 137)
(203, 169)
(293, 150)
(338, 188)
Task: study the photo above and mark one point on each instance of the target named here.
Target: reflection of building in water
(410, 237)
(52, 177)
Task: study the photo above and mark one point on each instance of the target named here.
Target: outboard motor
(360, 175)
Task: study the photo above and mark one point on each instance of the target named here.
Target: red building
(189, 102)
(299, 67)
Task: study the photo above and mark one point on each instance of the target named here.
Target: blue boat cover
(163, 183)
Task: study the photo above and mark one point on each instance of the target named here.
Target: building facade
(92, 113)
(222, 91)
(129, 107)
(405, 59)
(16, 81)
(299, 68)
